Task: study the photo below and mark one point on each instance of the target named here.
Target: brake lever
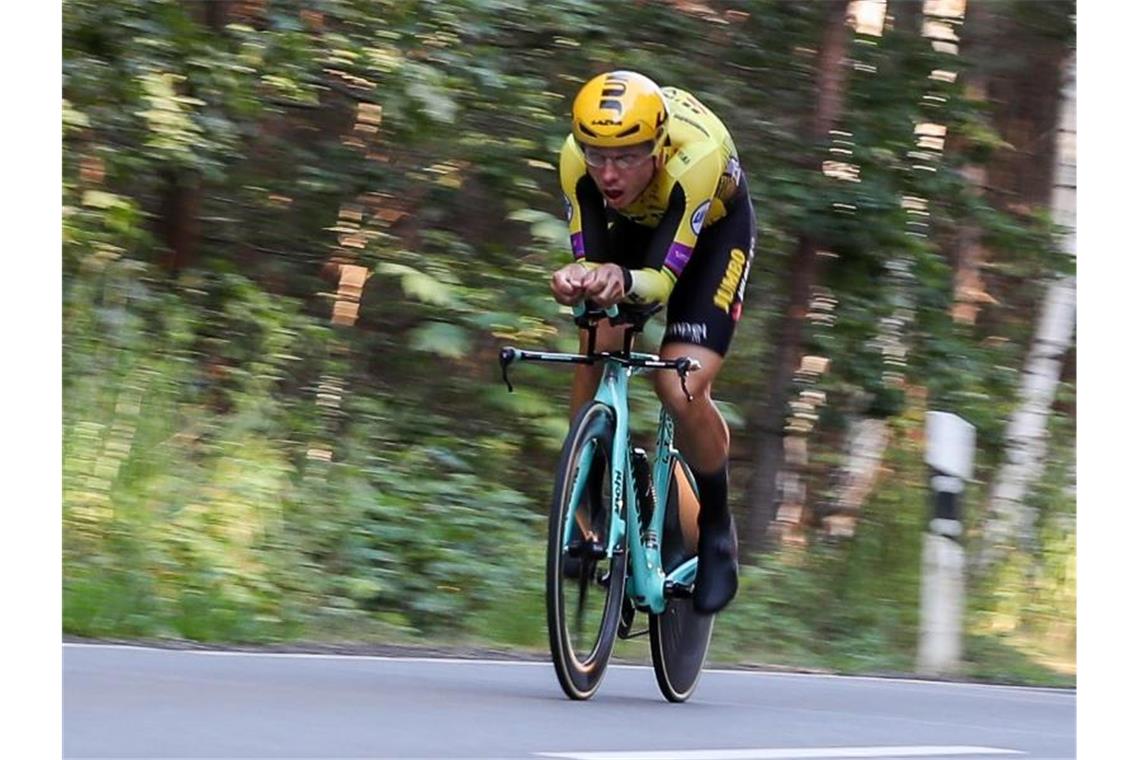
(684, 367)
(506, 356)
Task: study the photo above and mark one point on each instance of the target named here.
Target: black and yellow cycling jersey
(699, 182)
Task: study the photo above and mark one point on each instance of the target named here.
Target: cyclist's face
(622, 174)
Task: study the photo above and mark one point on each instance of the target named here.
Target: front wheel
(584, 586)
(679, 637)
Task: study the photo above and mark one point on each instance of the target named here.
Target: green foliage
(252, 533)
(848, 606)
(1029, 603)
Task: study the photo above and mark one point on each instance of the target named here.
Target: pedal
(678, 590)
(582, 556)
(588, 549)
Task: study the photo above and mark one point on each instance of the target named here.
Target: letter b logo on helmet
(613, 88)
(618, 109)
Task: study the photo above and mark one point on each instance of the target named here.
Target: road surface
(122, 701)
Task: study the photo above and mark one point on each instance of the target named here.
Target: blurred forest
(296, 233)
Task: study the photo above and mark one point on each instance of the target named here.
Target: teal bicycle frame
(647, 584)
(647, 581)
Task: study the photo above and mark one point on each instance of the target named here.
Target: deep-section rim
(580, 680)
(660, 635)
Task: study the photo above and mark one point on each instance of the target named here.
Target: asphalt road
(136, 702)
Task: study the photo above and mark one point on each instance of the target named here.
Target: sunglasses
(624, 159)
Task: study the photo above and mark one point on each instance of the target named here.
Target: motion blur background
(296, 233)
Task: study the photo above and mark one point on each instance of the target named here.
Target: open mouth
(613, 195)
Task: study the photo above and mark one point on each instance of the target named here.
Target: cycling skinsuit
(687, 239)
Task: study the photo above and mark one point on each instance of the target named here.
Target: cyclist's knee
(699, 383)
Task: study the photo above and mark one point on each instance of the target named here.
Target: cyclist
(659, 212)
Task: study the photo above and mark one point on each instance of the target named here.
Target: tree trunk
(177, 219)
(908, 15)
(867, 442)
(969, 254)
(1009, 521)
(1027, 110)
(217, 14)
(180, 195)
(769, 454)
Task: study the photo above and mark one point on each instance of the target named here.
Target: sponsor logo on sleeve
(677, 258)
(578, 245)
(569, 207)
(699, 217)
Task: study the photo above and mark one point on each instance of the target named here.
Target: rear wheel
(679, 637)
(584, 587)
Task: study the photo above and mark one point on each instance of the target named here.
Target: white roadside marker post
(950, 456)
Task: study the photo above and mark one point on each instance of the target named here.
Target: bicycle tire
(582, 636)
(679, 637)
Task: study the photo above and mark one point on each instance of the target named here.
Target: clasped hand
(604, 285)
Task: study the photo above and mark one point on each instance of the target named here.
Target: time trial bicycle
(615, 541)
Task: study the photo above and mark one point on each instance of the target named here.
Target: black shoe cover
(717, 572)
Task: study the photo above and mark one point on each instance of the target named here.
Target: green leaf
(419, 285)
(74, 119)
(442, 338)
(431, 92)
(543, 226)
(102, 199)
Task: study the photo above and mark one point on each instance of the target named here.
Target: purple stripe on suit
(678, 257)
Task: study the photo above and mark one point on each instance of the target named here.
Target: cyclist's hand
(566, 284)
(605, 285)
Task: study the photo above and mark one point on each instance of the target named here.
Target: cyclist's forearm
(650, 285)
(641, 285)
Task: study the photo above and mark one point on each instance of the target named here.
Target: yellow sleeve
(696, 172)
(571, 170)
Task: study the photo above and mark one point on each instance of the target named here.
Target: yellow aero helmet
(618, 109)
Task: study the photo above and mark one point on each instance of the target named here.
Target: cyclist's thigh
(708, 299)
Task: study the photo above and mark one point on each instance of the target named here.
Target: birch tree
(1009, 521)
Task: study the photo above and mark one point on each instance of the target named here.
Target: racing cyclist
(659, 212)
